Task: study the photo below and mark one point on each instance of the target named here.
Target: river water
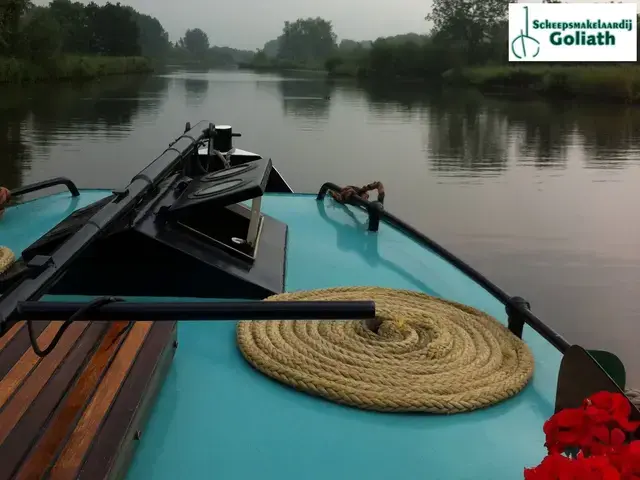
(541, 197)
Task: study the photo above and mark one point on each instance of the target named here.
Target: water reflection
(465, 137)
(611, 131)
(310, 99)
(468, 134)
(14, 151)
(33, 119)
(196, 90)
(109, 106)
(408, 98)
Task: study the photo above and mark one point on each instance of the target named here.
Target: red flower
(566, 429)
(603, 440)
(598, 433)
(626, 459)
(605, 407)
(601, 424)
(552, 467)
(559, 467)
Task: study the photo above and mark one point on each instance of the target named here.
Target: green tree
(153, 39)
(219, 56)
(271, 48)
(115, 30)
(72, 19)
(332, 63)
(307, 40)
(235, 54)
(41, 35)
(467, 25)
(11, 11)
(196, 42)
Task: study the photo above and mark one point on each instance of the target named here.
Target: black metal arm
(159, 311)
(46, 184)
(47, 270)
(517, 308)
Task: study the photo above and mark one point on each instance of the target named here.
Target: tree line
(464, 33)
(460, 36)
(65, 27)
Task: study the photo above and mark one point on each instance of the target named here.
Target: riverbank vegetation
(70, 40)
(67, 40)
(614, 83)
(466, 46)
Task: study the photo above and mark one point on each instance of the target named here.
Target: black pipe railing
(166, 311)
(46, 270)
(518, 309)
(52, 182)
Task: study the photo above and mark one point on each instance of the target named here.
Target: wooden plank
(15, 448)
(27, 362)
(17, 406)
(70, 460)
(114, 445)
(77, 411)
(66, 416)
(14, 347)
(10, 334)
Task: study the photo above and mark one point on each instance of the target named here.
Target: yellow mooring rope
(6, 259)
(429, 355)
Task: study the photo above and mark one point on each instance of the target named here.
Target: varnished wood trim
(17, 445)
(4, 340)
(70, 460)
(16, 346)
(112, 449)
(23, 367)
(76, 399)
(15, 408)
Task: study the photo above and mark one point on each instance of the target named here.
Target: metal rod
(52, 182)
(254, 222)
(534, 322)
(158, 311)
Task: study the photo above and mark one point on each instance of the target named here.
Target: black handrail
(52, 182)
(518, 309)
(46, 270)
(159, 311)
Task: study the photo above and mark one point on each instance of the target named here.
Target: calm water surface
(543, 198)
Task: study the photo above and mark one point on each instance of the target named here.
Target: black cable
(96, 303)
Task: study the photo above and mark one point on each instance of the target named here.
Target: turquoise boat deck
(216, 417)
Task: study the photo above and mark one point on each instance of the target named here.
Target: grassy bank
(606, 83)
(13, 70)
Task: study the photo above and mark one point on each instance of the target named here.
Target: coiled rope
(633, 395)
(344, 195)
(6, 259)
(429, 354)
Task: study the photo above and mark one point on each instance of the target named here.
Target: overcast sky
(250, 23)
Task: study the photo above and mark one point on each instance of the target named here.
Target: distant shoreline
(608, 83)
(69, 68)
(281, 68)
(611, 84)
